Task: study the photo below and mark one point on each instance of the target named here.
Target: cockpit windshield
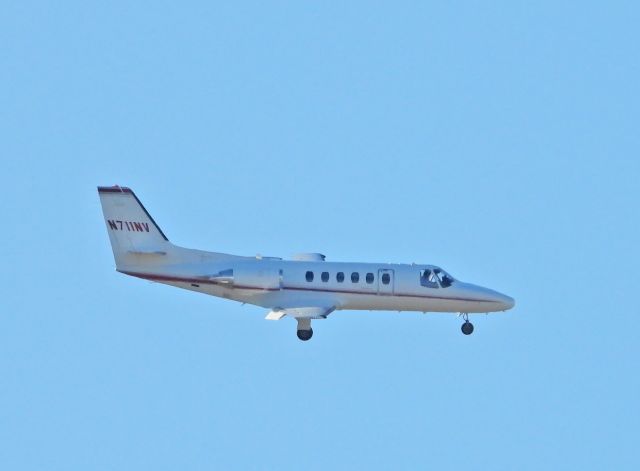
(435, 278)
(445, 279)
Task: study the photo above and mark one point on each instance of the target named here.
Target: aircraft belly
(343, 301)
(280, 298)
(375, 302)
(405, 303)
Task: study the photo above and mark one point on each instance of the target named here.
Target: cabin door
(385, 281)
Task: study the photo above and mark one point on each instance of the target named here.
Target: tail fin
(132, 230)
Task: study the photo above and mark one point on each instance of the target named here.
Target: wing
(318, 312)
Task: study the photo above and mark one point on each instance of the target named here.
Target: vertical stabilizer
(132, 230)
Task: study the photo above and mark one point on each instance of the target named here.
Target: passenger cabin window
(340, 277)
(309, 276)
(369, 278)
(325, 276)
(355, 277)
(386, 278)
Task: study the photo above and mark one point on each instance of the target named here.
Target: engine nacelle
(309, 257)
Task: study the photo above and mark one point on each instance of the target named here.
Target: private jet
(305, 288)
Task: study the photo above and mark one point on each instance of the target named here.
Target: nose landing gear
(467, 327)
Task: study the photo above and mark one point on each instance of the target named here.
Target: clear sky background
(499, 140)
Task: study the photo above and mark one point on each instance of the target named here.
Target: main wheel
(467, 328)
(305, 334)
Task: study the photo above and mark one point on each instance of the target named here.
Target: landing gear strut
(305, 332)
(467, 327)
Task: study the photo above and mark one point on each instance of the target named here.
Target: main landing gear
(305, 332)
(467, 327)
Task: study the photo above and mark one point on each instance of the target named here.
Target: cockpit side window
(428, 279)
(444, 278)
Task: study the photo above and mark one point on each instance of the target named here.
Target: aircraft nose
(505, 302)
(493, 301)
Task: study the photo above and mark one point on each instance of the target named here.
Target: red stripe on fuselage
(177, 279)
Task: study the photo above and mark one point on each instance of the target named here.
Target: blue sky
(497, 140)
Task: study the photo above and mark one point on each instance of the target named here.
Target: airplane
(305, 288)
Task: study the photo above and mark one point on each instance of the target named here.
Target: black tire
(305, 335)
(467, 328)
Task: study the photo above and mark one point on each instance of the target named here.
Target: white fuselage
(275, 283)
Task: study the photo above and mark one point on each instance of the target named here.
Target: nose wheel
(467, 327)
